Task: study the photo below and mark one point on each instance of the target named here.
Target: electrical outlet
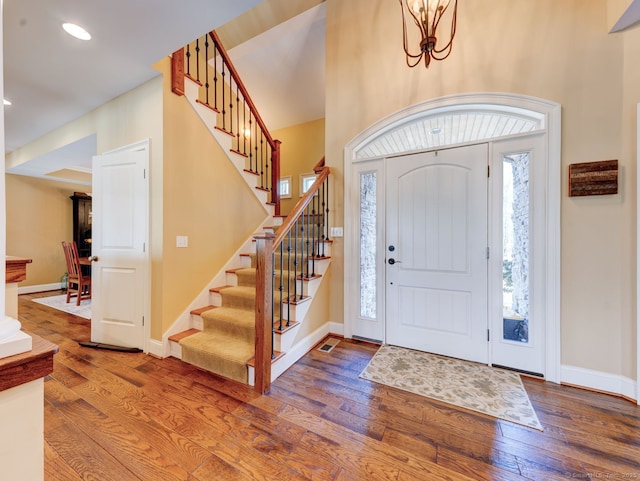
(336, 232)
(182, 241)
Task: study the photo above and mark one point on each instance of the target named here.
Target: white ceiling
(52, 78)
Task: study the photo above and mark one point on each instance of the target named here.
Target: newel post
(275, 177)
(264, 312)
(177, 72)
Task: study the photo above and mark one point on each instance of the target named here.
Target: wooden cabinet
(82, 222)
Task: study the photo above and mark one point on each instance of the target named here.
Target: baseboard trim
(55, 286)
(336, 328)
(156, 348)
(603, 382)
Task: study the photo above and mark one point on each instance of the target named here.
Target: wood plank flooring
(117, 416)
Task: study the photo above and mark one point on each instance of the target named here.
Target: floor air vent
(329, 344)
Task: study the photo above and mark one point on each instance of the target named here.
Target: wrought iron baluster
(215, 75)
(299, 234)
(281, 286)
(206, 56)
(237, 117)
(321, 234)
(188, 56)
(251, 135)
(224, 112)
(231, 81)
(244, 126)
(198, 59)
(309, 225)
(273, 307)
(261, 158)
(289, 249)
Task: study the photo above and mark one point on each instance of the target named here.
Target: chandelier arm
(405, 42)
(449, 45)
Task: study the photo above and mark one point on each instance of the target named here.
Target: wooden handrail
(300, 206)
(243, 89)
(318, 167)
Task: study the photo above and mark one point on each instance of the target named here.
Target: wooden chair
(77, 282)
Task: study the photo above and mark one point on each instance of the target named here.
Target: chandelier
(427, 16)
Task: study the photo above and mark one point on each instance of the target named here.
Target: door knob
(393, 261)
(93, 258)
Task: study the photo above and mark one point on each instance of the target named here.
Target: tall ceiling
(52, 78)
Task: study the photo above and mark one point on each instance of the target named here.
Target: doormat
(496, 392)
(60, 303)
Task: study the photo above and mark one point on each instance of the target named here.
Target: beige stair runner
(226, 343)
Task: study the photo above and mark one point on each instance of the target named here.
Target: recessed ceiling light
(436, 131)
(76, 31)
(6, 102)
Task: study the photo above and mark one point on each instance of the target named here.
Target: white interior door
(436, 271)
(120, 229)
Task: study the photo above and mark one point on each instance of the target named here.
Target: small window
(284, 188)
(306, 181)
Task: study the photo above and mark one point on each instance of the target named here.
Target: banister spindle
(231, 81)
(188, 55)
(206, 71)
(198, 60)
(237, 118)
(281, 285)
(215, 75)
(224, 112)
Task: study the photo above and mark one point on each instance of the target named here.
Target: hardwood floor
(116, 416)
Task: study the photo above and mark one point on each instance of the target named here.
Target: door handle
(393, 261)
(93, 258)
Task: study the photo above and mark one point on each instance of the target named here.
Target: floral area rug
(497, 392)
(60, 303)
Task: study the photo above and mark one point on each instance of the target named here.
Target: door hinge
(144, 173)
(143, 320)
(144, 247)
(488, 252)
(488, 171)
(488, 335)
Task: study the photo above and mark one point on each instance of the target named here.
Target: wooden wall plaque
(593, 178)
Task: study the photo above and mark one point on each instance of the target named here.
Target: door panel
(119, 275)
(437, 241)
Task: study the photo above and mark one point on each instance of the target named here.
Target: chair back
(72, 258)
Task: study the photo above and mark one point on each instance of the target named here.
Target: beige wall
(39, 217)
(204, 198)
(302, 147)
(592, 74)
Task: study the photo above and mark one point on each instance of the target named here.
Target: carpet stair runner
(225, 345)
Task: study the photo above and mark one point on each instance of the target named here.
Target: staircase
(249, 328)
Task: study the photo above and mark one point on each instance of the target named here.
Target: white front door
(119, 246)
(436, 249)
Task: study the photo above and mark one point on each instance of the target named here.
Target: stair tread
(177, 337)
(277, 355)
(199, 311)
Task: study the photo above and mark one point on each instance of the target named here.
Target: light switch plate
(182, 241)
(336, 232)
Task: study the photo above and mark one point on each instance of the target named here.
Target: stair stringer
(209, 119)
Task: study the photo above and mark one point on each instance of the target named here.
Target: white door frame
(143, 145)
(549, 112)
(638, 258)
